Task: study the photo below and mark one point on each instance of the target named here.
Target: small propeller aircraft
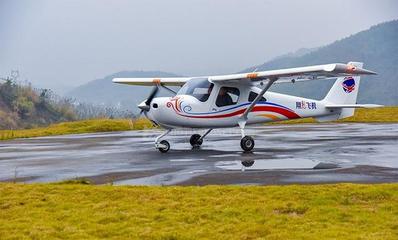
(241, 99)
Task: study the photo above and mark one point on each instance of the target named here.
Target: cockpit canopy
(199, 88)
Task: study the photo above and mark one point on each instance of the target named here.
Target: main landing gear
(196, 140)
(247, 142)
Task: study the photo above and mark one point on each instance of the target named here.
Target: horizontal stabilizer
(354, 106)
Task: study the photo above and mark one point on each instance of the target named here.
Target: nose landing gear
(163, 146)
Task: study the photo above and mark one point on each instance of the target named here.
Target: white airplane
(241, 99)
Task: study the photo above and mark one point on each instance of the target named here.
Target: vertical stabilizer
(344, 91)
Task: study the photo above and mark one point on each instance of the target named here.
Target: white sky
(70, 42)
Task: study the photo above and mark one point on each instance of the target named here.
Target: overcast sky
(70, 42)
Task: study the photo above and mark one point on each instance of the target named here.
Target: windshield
(200, 88)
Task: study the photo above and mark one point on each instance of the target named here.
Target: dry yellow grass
(372, 115)
(337, 211)
(86, 126)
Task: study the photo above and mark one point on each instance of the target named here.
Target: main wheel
(195, 140)
(247, 143)
(166, 147)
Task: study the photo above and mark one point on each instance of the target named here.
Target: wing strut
(243, 118)
(168, 89)
(259, 96)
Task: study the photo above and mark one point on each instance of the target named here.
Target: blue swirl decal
(187, 109)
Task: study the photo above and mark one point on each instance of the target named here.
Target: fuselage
(190, 110)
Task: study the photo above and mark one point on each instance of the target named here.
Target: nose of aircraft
(143, 106)
(155, 110)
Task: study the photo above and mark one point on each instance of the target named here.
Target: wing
(279, 76)
(298, 74)
(175, 81)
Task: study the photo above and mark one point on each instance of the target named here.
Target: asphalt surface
(284, 154)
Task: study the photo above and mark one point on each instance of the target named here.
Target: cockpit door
(225, 97)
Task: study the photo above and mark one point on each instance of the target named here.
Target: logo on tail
(349, 84)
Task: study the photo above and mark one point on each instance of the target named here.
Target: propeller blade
(146, 105)
(152, 95)
(143, 112)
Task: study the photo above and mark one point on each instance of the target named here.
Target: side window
(253, 95)
(227, 96)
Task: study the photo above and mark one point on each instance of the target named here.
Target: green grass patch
(78, 211)
(86, 126)
(362, 115)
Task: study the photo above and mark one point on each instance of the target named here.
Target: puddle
(277, 164)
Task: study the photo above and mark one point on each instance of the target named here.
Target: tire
(195, 140)
(167, 148)
(247, 143)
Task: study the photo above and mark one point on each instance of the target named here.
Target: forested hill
(24, 107)
(376, 47)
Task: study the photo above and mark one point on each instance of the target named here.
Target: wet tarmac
(284, 154)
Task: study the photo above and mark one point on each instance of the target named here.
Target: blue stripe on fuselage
(243, 104)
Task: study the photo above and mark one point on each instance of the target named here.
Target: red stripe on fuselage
(284, 112)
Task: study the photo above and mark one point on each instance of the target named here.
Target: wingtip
(369, 72)
(363, 71)
(373, 106)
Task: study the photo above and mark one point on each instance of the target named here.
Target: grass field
(377, 115)
(65, 211)
(362, 115)
(86, 126)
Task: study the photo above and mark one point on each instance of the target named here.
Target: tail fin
(343, 92)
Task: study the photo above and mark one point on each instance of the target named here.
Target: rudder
(344, 91)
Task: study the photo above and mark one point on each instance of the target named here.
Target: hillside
(24, 107)
(376, 47)
(105, 92)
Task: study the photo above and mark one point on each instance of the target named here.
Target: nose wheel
(163, 146)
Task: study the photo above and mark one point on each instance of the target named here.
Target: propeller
(145, 106)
